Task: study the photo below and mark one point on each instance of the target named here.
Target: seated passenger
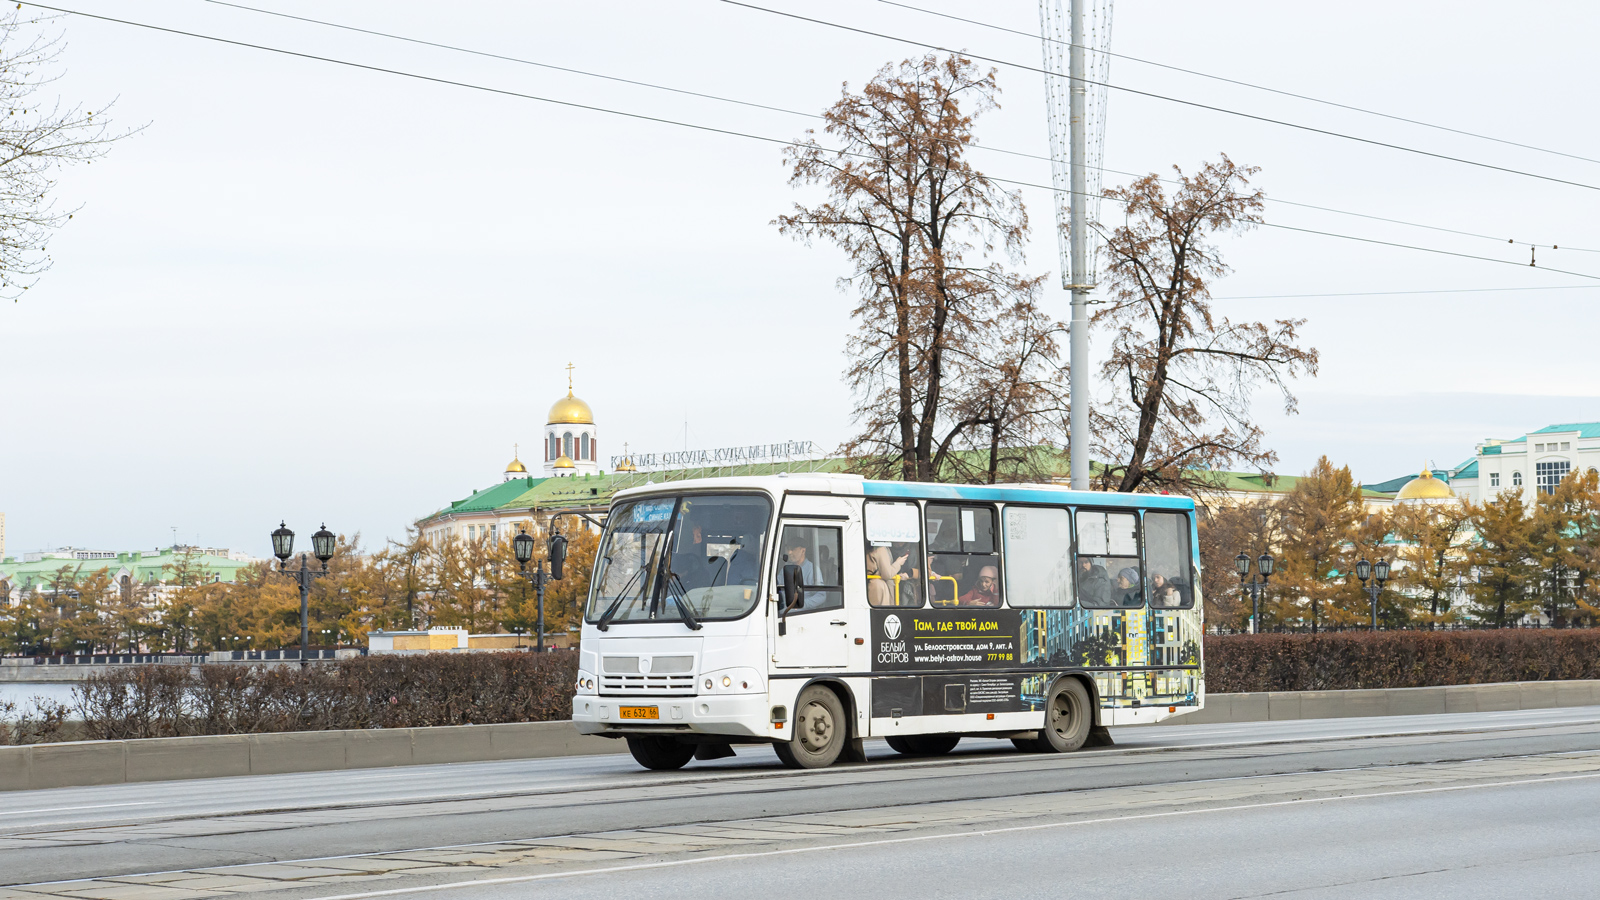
(744, 567)
(1128, 592)
(987, 590)
(689, 561)
(1094, 586)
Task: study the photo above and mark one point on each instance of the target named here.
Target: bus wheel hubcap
(1061, 718)
(817, 730)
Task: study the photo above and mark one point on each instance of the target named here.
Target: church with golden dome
(570, 440)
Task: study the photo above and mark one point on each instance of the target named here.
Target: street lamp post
(1379, 574)
(1264, 563)
(522, 545)
(283, 547)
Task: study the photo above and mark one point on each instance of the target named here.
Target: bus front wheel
(661, 753)
(820, 730)
(1067, 717)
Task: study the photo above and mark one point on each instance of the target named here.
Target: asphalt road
(1420, 806)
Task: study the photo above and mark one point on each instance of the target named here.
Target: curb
(80, 763)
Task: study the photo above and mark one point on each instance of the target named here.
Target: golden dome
(516, 467)
(1425, 487)
(562, 462)
(569, 410)
(627, 466)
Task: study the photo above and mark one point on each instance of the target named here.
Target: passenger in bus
(1094, 585)
(1169, 597)
(744, 567)
(986, 592)
(1128, 592)
(689, 562)
(883, 571)
(1168, 593)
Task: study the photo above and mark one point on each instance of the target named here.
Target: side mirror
(791, 588)
(558, 555)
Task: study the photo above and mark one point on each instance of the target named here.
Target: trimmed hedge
(399, 691)
(1355, 660)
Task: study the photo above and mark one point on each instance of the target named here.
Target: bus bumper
(736, 715)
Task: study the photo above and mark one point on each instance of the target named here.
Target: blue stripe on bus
(921, 491)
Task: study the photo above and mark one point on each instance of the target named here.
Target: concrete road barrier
(217, 756)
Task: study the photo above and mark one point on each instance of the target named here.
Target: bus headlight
(731, 681)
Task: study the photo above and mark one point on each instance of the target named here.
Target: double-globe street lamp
(322, 547)
(1379, 574)
(522, 545)
(1241, 564)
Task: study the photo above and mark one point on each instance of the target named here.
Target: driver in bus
(796, 556)
(986, 592)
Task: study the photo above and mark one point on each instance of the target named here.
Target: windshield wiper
(605, 619)
(681, 601)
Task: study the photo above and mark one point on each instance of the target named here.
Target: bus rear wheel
(1067, 718)
(820, 730)
(660, 753)
(924, 744)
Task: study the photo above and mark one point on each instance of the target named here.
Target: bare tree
(1009, 410)
(1181, 377)
(920, 226)
(37, 137)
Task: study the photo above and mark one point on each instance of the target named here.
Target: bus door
(815, 631)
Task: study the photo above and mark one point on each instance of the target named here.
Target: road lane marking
(884, 842)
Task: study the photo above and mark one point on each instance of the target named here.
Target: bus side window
(1038, 556)
(1167, 560)
(963, 559)
(894, 554)
(1108, 560)
(808, 546)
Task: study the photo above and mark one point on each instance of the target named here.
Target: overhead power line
(665, 121)
(1253, 86)
(795, 112)
(515, 59)
(1178, 100)
(1556, 287)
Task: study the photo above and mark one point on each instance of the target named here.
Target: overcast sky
(312, 292)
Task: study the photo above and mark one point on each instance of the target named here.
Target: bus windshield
(664, 556)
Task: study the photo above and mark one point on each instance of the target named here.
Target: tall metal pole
(540, 589)
(305, 611)
(1078, 377)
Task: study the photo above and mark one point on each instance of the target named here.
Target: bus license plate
(638, 712)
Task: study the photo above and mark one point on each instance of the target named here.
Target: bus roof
(856, 486)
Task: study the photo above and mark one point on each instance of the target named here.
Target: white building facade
(1535, 462)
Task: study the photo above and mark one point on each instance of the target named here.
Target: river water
(22, 692)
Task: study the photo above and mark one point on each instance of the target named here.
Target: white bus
(812, 612)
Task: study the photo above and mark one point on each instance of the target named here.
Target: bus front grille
(647, 684)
